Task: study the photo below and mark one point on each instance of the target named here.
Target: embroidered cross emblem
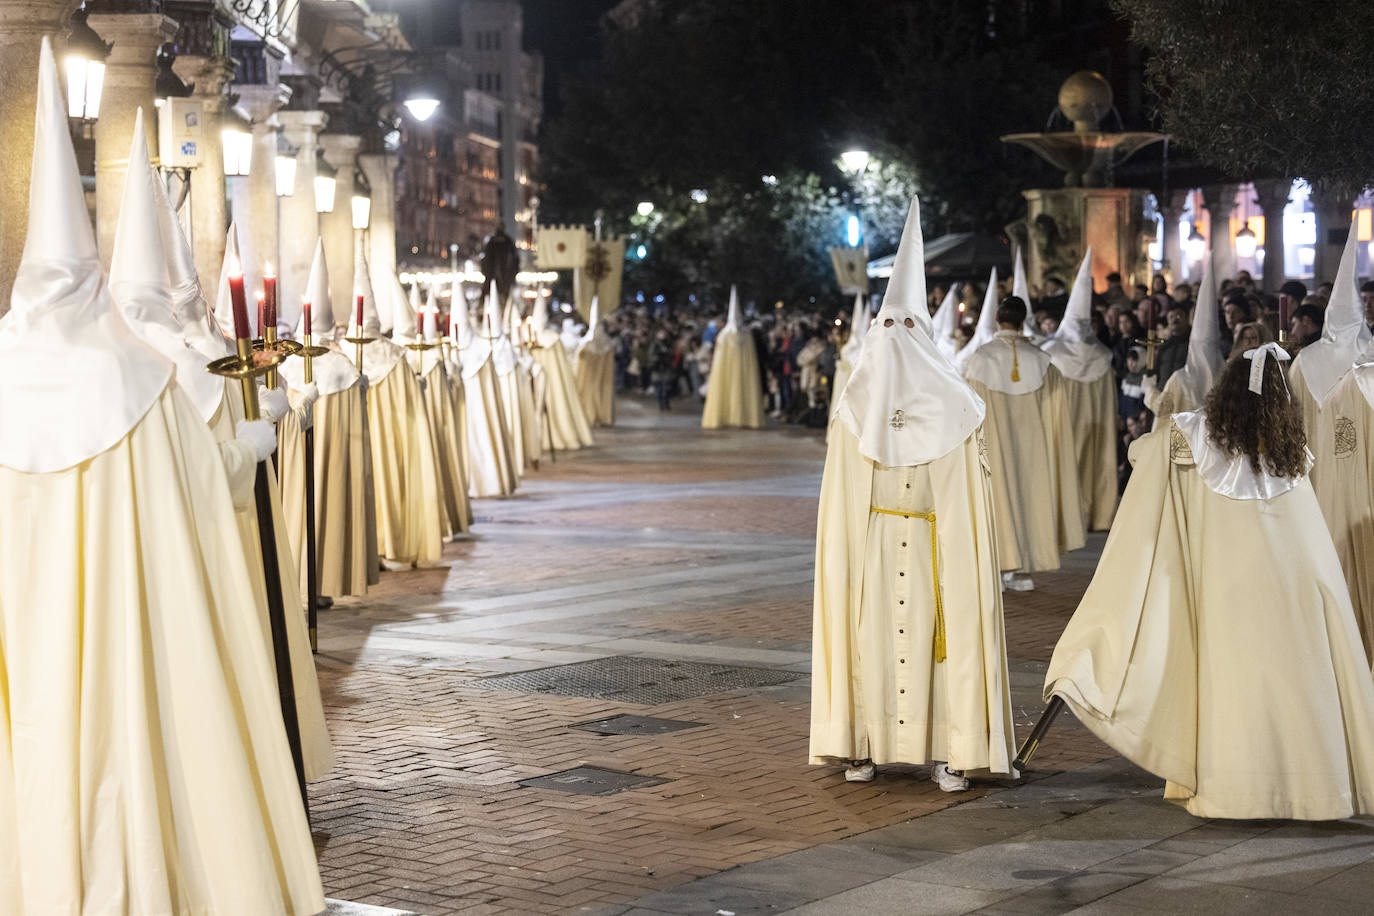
(898, 420)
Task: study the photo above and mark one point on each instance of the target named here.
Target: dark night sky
(564, 31)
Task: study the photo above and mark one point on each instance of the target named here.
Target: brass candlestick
(281, 346)
(246, 365)
(358, 344)
(1150, 343)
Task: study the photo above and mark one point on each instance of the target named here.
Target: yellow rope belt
(934, 575)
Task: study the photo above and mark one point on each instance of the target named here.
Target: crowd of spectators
(666, 350)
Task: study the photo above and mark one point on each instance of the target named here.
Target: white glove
(260, 434)
(273, 403)
(306, 396)
(1148, 385)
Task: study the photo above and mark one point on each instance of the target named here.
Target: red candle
(1283, 314)
(262, 314)
(269, 283)
(305, 311)
(236, 298)
(360, 313)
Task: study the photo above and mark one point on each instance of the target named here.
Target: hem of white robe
(1146, 754)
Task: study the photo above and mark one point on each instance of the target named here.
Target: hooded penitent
(986, 328)
(224, 308)
(380, 355)
(191, 310)
(904, 402)
(1192, 383)
(61, 313)
(908, 660)
(849, 353)
(1345, 336)
(596, 340)
(945, 324)
(734, 396)
(1021, 290)
(138, 695)
(333, 371)
(490, 466)
(139, 280)
(1075, 350)
(405, 326)
(595, 368)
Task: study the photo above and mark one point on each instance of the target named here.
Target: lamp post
(85, 66)
(168, 84)
(324, 183)
(854, 162)
(1196, 245)
(236, 138)
(1246, 241)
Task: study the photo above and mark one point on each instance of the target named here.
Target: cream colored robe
(316, 749)
(410, 526)
(596, 384)
(345, 556)
(441, 406)
(1034, 477)
(491, 460)
(876, 691)
(143, 762)
(1216, 647)
(1338, 435)
(734, 396)
(1092, 413)
(567, 427)
(515, 402)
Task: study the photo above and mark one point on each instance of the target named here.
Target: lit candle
(240, 304)
(360, 312)
(305, 311)
(269, 283)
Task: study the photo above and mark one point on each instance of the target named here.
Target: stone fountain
(1087, 211)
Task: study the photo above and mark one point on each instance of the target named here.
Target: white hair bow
(1257, 358)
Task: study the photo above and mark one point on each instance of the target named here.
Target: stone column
(300, 224)
(1333, 225)
(1272, 196)
(130, 81)
(23, 23)
(1172, 246)
(255, 195)
(341, 151)
(206, 204)
(380, 171)
(1220, 200)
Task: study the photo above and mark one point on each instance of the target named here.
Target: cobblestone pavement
(667, 543)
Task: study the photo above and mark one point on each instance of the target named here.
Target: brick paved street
(662, 542)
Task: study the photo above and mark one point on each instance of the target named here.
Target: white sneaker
(948, 780)
(1007, 580)
(1018, 582)
(860, 772)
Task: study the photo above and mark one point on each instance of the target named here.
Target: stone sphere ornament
(1085, 98)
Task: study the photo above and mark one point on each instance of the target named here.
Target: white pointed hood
(1021, 290)
(946, 323)
(1345, 336)
(858, 327)
(571, 339)
(322, 323)
(473, 349)
(333, 372)
(428, 320)
(987, 323)
(140, 279)
(733, 321)
(405, 326)
(1075, 350)
(596, 341)
(539, 318)
(904, 401)
(502, 353)
(189, 307)
(224, 306)
(74, 380)
(1204, 364)
(381, 355)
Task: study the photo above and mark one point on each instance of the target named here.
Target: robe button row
(901, 574)
(903, 543)
(901, 721)
(900, 630)
(902, 660)
(901, 690)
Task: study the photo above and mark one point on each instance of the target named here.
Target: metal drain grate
(592, 781)
(634, 725)
(646, 681)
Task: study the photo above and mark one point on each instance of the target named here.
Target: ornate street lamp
(169, 85)
(324, 183)
(1246, 240)
(286, 167)
(85, 65)
(362, 201)
(1196, 245)
(236, 138)
(854, 161)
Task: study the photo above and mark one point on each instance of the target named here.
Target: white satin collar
(992, 364)
(1230, 475)
(333, 372)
